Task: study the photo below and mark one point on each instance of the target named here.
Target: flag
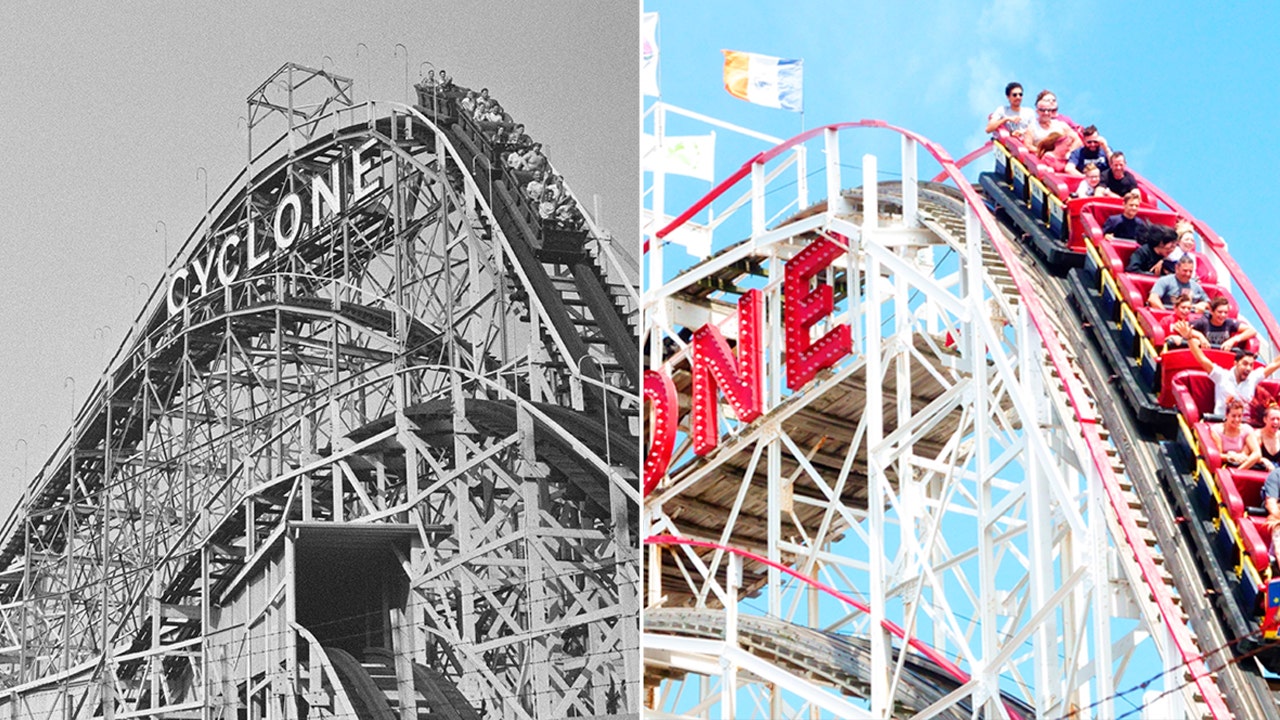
(763, 80)
(649, 55)
(691, 155)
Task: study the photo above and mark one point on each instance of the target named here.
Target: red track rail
(893, 628)
(1040, 319)
(962, 162)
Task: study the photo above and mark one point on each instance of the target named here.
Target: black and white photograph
(320, 359)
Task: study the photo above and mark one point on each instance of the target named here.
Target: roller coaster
(368, 451)
(914, 450)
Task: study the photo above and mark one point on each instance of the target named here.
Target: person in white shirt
(1241, 381)
(1047, 122)
(1014, 117)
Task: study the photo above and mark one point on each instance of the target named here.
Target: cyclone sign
(232, 256)
(741, 380)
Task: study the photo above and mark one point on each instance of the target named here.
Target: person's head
(484, 93)
(520, 128)
(1186, 234)
(1013, 92)
(1187, 241)
(1090, 137)
(1184, 269)
(1132, 203)
(1235, 412)
(1117, 164)
(1182, 305)
(1092, 175)
(1164, 245)
(1244, 363)
(1271, 418)
(1046, 107)
(1219, 309)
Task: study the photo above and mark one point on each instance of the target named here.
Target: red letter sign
(661, 394)
(804, 309)
(714, 366)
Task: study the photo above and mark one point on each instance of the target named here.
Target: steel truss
(391, 386)
(946, 482)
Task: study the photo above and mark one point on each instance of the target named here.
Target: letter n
(714, 366)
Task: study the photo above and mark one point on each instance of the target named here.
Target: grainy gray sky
(108, 113)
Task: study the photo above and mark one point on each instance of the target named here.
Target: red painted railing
(1040, 319)
(891, 627)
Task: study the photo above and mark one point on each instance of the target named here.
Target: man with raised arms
(1241, 381)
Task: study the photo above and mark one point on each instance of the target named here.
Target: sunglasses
(1047, 110)
(1015, 94)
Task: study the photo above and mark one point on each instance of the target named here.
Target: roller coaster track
(840, 661)
(1165, 582)
(404, 378)
(1158, 506)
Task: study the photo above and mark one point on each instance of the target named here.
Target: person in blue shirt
(1093, 152)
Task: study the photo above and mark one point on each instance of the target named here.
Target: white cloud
(986, 83)
(1007, 20)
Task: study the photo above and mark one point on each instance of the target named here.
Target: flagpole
(658, 216)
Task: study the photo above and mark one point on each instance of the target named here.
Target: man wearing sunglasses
(1013, 116)
(1047, 123)
(1093, 152)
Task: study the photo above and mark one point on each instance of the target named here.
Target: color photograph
(959, 361)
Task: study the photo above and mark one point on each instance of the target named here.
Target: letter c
(174, 306)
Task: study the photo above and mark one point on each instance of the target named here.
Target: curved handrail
(316, 654)
(1054, 348)
(962, 162)
(928, 651)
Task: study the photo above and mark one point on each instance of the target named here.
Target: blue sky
(111, 110)
(1184, 89)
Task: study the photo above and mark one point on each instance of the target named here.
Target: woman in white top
(1047, 122)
